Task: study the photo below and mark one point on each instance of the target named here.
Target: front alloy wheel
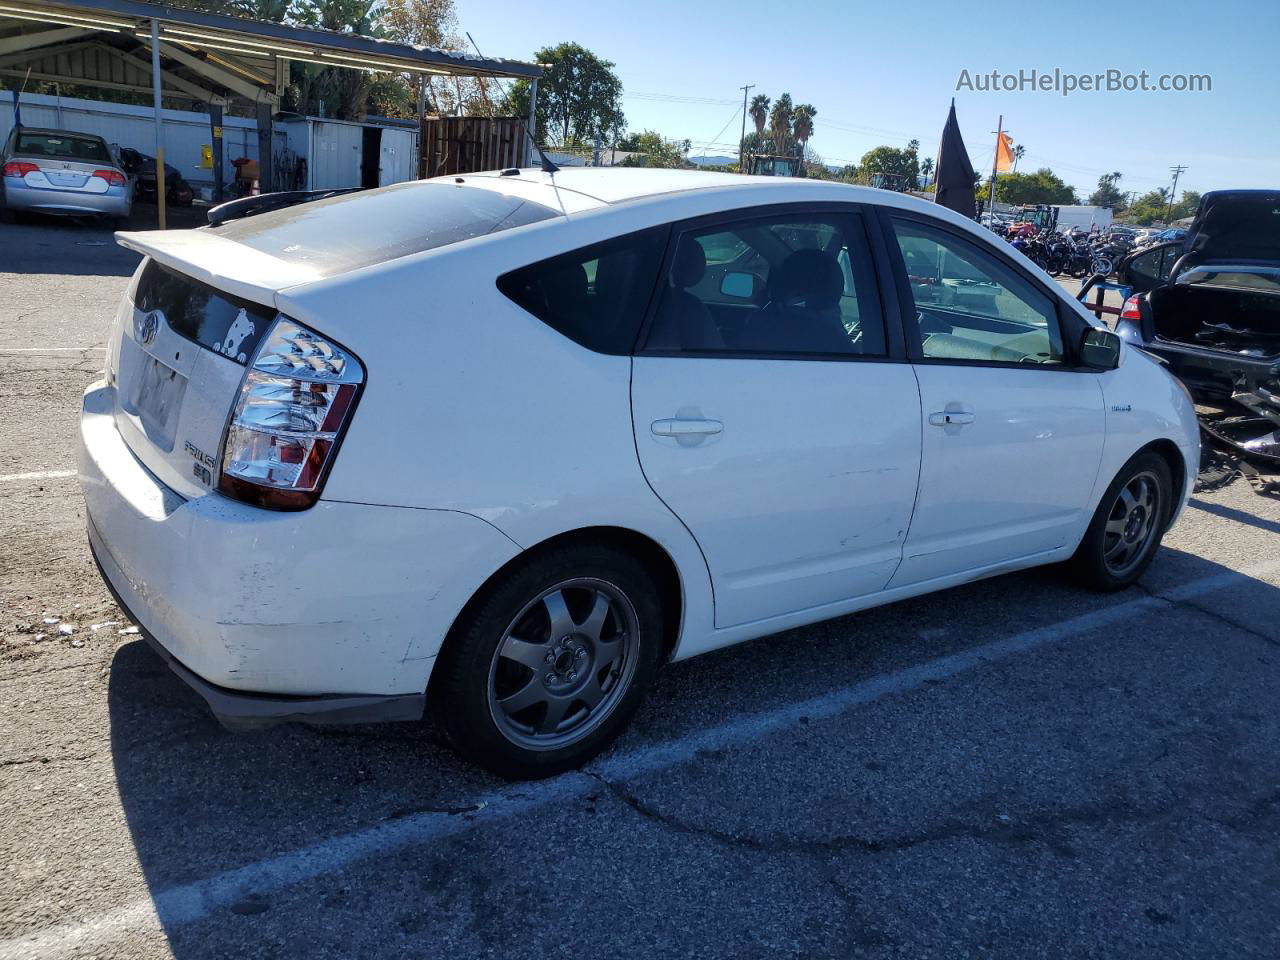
(1127, 526)
(1132, 523)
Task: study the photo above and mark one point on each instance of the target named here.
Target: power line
(678, 98)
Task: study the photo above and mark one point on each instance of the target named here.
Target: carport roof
(236, 56)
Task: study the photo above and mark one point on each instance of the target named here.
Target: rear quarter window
(596, 296)
(360, 229)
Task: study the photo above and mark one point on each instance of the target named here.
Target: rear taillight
(1132, 309)
(113, 177)
(296, 399)
(19, 168)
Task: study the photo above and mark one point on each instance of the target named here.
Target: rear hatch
(204, 299)
(182, 345)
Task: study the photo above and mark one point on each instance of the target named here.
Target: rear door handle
(946, 417)
(685, 428)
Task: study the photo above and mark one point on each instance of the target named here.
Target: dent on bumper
(237, 710)
(342, 601)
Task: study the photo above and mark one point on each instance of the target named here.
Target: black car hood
(1236, 226)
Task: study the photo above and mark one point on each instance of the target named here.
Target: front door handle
(685, 428)
(944, 418)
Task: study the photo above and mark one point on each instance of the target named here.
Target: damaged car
(1209, 307)
(502, 445)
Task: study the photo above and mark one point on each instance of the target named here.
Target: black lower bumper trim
(240, 710)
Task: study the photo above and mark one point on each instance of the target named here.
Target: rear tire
(1127, 527)
(547, 665)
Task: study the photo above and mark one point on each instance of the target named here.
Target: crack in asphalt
(1048, 827)
(1038, 827)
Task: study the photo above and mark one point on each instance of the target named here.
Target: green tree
(1043, 186)
(1019, 151)
(891, 167)
(780, 124)
(1108, 193)
(657, 150)
(802, 124)
(579, 97)
(926, 167)
(759, 112)
(1186, 207)
(1149, 208)
(345, 91)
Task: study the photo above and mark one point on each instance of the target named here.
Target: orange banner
(1004, 153)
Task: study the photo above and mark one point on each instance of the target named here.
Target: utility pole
(1173, 191)
(995, 162)
(742, 160)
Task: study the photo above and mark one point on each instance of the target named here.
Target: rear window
(88, 149)
(215, 320)
(359, 229)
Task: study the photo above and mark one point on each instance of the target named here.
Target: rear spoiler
(224, 264)
(248, 206)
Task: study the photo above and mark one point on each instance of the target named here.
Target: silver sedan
(56, 171)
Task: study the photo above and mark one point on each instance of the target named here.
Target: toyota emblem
(146, 326)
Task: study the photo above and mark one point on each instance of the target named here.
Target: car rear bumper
(238, 710)
(329, 614)
(116, 202)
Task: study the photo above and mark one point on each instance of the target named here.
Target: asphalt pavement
(1015, 768)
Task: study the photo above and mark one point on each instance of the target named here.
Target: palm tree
(780, 122)
(759, 112)
(802, 124)
(1018, 151)
(926, 168)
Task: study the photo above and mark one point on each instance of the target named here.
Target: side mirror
(1100, 349)
(741, 286)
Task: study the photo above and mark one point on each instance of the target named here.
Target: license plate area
(155, 398)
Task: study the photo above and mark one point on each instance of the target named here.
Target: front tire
(546, 667)
(1127, 527)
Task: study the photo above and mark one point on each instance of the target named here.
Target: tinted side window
(595, 296)
(970, 305)
(797, 284)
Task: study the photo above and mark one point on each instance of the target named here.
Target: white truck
(1083, 215)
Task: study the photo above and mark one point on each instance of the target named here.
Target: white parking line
(38, 475)
(177, 906)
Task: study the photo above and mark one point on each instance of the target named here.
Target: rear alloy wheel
(563, 663)
(1128, 525)
(546, 667)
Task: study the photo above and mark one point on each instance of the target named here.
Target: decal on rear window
(217, 321)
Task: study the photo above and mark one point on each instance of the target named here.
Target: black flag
(954, 181)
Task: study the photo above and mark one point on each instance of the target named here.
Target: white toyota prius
(501, 445)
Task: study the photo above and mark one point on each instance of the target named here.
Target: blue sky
(884, 73)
